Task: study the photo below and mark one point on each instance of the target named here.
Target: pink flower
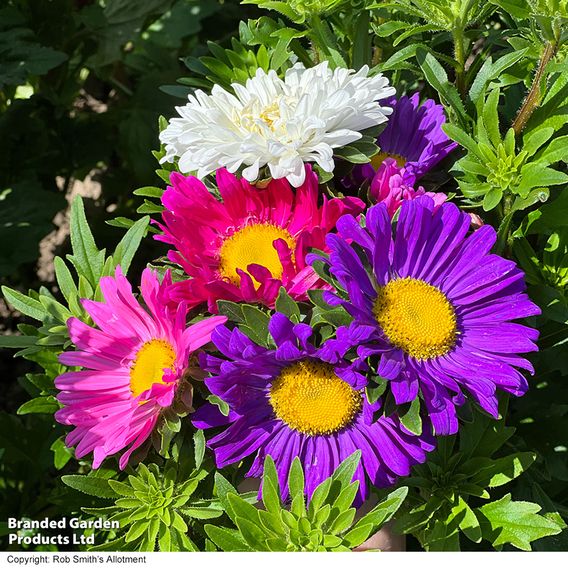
(250, 244)
(132, 364)
(388, 187)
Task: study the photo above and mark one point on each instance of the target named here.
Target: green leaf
(351, 154)
(270, 486)
(128, 245)
(358, 535)
(385, 510)
(296, 478)
(149, 191)
(122, 489)
(40, 405)
(346, 497)
(536, 174)
(95, 486)
(437, 77)
(411, 418)
(346, 469)
(61, 453)
(28, 306)
(319, 496)
(514, 522)
(535, 139)
(490, 71)
(287, 306)
(443, 537)
(232, 310)
(468, 522)
(556, 151)
(256, 324)
(504, 470)
(492, 198)
(252, 533)
(66, 282)
(17, 341)
(223, 489)
(87, 258)
(221, 404)
(199, 447)
(226, 539)
(462, 138)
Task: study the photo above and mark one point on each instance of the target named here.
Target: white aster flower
(276, 123)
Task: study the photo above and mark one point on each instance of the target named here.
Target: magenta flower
(132, 363)
(250, 244)
(388, 187)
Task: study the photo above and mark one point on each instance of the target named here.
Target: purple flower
(301, 400)
(435, 305)
(413, 137)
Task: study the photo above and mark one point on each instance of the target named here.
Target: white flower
(275, 122)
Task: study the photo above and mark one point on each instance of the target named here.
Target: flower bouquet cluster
(339, 315)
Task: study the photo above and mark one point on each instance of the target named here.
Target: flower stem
(534, 97)
(459, 47)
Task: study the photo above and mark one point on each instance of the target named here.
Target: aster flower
(299, 400)
(251, 244)
(132, 363)
(389, 188)
(276, 123)
(413, 137)
(435, 305)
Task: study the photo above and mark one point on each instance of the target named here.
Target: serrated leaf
(514, 522)
(120, 488)
(200, 512)
(226, 539)
(94, 486)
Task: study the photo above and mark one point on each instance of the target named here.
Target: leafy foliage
(42, 344)
(326, 523)
(85, 95)
(460, 474)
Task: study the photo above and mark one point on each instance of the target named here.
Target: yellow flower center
(253, 244)
(270, 114)
(309, 397)
(148, 368)
(379, 158)
(256, 111)
(416, 317)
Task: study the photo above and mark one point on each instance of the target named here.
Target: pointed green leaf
(514, 522)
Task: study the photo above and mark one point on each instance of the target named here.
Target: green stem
(361, 41)
(459, 46)
(534, 97)
(301, 52)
